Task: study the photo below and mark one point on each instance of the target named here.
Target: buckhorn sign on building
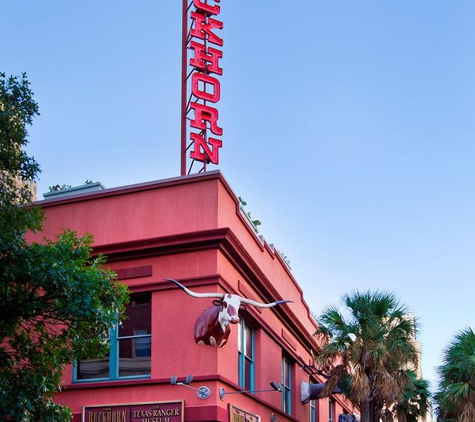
(195, 267)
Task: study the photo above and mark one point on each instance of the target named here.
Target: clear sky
(349, 129)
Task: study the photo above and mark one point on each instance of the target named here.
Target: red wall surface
(192, 229)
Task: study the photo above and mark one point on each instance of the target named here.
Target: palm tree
(416, 400)
(455, 396)
(366, 350)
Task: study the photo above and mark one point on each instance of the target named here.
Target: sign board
(237, 414)
(201, 88)
(141, 412)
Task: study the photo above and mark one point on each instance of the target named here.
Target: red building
(191, 229)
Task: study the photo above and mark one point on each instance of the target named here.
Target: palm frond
(360, 385)
(456, 392)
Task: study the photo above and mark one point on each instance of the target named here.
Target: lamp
(275, 387)
(202, 392)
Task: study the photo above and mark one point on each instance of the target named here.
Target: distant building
(30, 186)
(19, 184)
(191, 229)
(418, 370)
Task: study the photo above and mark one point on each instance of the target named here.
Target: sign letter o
(207, 81)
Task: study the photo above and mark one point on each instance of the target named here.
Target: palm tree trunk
(364, 409)
(375, 408)
(372, 411)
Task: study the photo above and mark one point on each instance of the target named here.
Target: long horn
(194, 294)
(263, 305)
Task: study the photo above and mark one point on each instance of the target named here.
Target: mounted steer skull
(212, 326)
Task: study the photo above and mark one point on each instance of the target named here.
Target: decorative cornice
(224, 240)
(164, 245)
(139, 187)
(238, 255)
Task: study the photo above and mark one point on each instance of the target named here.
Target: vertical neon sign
(201, 88)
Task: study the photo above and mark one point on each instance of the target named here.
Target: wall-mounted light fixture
(275, 387)
(202, 392)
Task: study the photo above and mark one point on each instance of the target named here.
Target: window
(331, 410)
(130, 347)
(313, 411)
(286, 385)
(246, 355)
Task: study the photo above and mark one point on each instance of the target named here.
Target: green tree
(366, 351)
(415, 403)
(455, 396)
(57, 301)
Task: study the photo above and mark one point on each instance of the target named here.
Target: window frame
(313, 411)
(114, 340)
(331, 410)
(243, 357)
(286, 385)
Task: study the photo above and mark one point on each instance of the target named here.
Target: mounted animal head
(212, 326)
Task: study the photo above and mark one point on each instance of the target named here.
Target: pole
(184, 93)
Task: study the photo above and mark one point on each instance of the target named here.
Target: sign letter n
(210, 151)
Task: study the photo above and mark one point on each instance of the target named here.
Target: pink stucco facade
(192, 229)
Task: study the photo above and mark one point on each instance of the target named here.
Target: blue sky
(348, 129)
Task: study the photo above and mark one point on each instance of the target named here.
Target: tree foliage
(415, 403)
(366, 350)
(57, 300)
(17, 169)
(455, 396)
